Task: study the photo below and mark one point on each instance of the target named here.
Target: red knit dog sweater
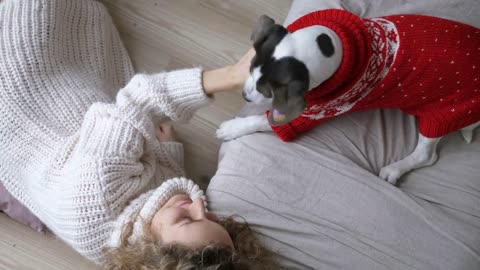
(426, 66)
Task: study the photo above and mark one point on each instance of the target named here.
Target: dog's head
(286, 66)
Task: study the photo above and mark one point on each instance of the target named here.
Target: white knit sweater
(74, 151)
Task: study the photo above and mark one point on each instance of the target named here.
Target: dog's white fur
(302, 45)
(293, 45)
(242, 126)
(425, 153)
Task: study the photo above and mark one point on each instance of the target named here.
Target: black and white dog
(286, 67)
(282, 68)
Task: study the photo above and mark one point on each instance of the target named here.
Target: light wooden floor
(161, 35)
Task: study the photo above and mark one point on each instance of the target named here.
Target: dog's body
(422, 65)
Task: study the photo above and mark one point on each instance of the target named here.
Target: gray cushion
(318, 202)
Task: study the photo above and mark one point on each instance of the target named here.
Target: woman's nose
(198, 211)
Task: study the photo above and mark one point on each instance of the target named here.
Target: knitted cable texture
(74, 151)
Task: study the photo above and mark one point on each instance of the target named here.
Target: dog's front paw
(234, 128)
(391, 173)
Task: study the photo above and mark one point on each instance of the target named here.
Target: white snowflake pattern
(371, 76)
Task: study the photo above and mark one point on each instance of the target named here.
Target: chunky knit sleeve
(120, 137)
(115, 156)
(175, 95)
(175, 150)
(74, 151)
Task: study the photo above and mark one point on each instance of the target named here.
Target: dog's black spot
(278, 77)
(285, 70)
(286, 81)
(325, 44)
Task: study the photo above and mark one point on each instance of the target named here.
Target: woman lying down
(98, 169)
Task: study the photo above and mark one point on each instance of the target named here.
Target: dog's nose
(245, 97)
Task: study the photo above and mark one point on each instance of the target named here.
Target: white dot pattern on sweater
(434, 52)
(74, 151)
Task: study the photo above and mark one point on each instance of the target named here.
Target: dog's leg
(467, 132)
(238, 127)
(425, 154)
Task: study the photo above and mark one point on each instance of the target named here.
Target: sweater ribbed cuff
(175, 95)
(175, 150)
(435, 129)
(187, 93)
(284, 132)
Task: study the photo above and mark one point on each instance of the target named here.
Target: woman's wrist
(221, 80)
(228, 78)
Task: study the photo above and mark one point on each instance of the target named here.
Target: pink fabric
(14, 209)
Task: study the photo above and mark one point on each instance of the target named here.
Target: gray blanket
(318, 202)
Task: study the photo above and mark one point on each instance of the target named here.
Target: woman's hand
(242, 67)
(229, 78)
(165, 133)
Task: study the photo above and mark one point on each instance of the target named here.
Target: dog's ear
(288, 103)
(261, 30)
(297, 88)
(264, 87)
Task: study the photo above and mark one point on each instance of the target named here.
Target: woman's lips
(183, 203)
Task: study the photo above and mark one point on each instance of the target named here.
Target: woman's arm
(115, 148)
(228, 78)
(177, 95)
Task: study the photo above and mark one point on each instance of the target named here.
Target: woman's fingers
(243, 65)
(165, 133)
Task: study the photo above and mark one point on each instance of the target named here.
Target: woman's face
(186, 222)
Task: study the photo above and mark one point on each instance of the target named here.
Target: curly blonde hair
(151, 254)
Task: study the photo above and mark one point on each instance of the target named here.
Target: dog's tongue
(278, 116)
